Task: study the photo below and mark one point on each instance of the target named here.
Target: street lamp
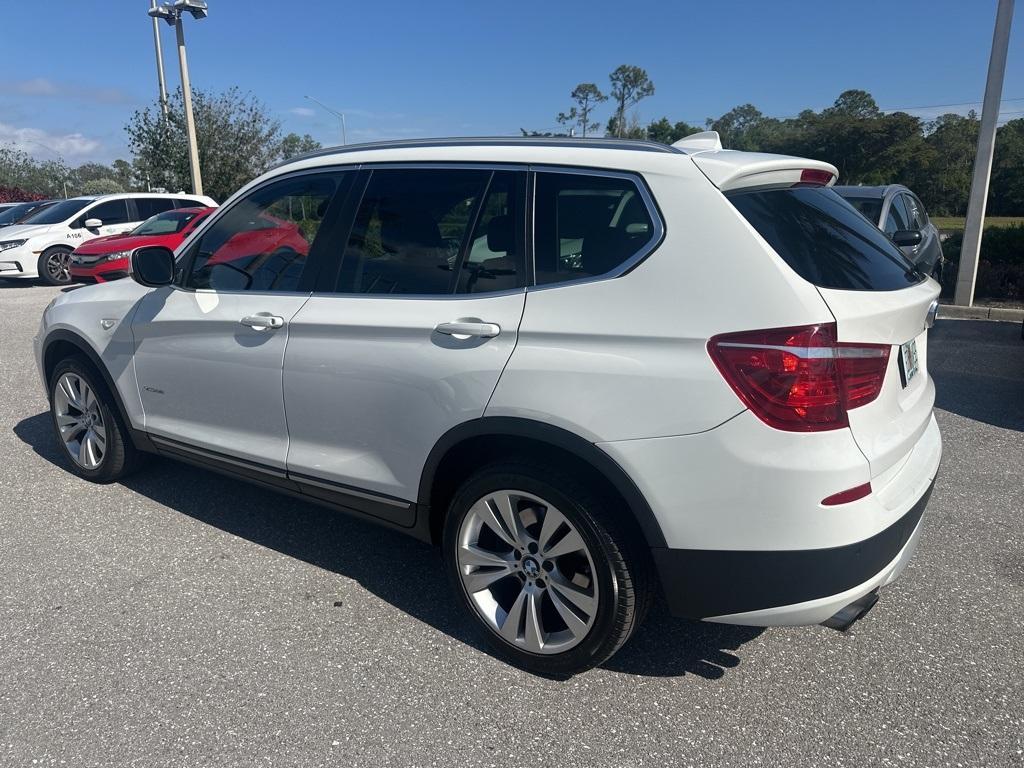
(340, 115)
(172, 13)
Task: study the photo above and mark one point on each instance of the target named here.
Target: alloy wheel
(528, 572)
(80, 420)
(58, 266)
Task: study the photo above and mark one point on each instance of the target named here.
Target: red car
(106, 258)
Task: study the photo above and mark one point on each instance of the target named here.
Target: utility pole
(190, 123)
(971, 248)
(161, 82)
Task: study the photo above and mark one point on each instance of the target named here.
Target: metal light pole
(172, 13)
(339, 115)
(161, 82)
(971, 246)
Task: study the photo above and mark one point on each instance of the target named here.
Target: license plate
(908, 361)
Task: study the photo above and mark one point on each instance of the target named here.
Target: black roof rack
(634, 145)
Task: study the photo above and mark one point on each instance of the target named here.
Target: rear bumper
(785, 587)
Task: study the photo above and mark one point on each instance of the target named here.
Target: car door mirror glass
(152, 266)
(93, 223)
(906, 237)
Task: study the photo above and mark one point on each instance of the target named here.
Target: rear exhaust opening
(858, 609)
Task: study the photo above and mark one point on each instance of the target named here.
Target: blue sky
(74, 71)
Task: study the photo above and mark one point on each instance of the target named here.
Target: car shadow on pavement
(406, 573)
(978, 368)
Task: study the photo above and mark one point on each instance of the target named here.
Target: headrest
(500, 237)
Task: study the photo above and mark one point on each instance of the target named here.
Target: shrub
(1000, 267)
(17, 195)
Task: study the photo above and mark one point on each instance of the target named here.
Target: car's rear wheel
(544, 568)
(55, 266)
(87, 425)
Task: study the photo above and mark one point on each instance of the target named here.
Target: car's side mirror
(152, 266)
(906, 237)
(93, 223)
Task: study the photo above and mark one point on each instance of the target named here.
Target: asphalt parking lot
(186, 619)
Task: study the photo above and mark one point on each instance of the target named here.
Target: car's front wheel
(55, 266)
(87, 425)
(544, 567)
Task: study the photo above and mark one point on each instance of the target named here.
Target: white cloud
(302, 111)
(42, 144)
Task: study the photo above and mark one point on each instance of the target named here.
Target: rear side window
(410, 231)
(824, 240)
(151, 206)
(870, 207)
(189, 203)
(587, 225)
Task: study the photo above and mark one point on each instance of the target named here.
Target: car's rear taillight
(800, 379)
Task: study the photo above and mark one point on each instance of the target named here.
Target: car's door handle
(467, 329)
(262, 322)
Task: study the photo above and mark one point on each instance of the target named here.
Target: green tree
(236, 135)
(1006, 193)
(20, 170)
(293, 144)
(666, 132)
(586, 97)
(102, 187)
(630, 85)
(744, 128)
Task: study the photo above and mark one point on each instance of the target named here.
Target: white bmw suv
(589, 370)
(41, 245)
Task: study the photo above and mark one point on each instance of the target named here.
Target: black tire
(620, 560)
(120, 456)
(45, 274)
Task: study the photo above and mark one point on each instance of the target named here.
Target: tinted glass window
(110, 212)
(870, 207)
(825, 240)
(13, 213)
(262, 242)
(587, 225)
(410, 229)
(151, 206)
(57, 213)
(918, 218)
(169, 223)
(189, 203)
(495, 255)
(897, 217)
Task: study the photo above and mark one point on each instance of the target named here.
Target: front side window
(411, 230)
(918, 218)
(262, 242)
(897, 218)
(110, 212)
(151, 206)
(587, 225)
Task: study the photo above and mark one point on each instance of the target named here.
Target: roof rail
(635, 145)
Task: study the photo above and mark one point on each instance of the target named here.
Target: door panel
(370, 385)
(207, 379)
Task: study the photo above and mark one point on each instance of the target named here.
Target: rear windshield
(825, 240)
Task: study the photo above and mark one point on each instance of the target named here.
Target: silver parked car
(899, 213)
